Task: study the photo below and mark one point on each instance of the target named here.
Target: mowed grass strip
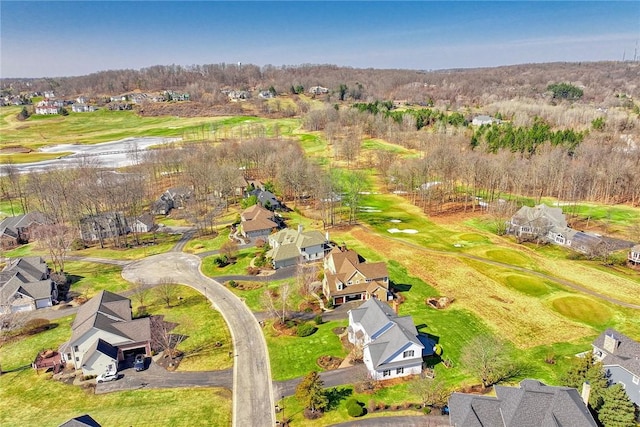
(89, 278)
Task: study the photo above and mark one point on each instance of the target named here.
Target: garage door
(43, 303)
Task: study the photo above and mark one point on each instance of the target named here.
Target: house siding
(619, 375)
(87, 340)
(99, 363)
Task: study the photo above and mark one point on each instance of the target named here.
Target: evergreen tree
(588, 369)
(310, 393)
(617, 410)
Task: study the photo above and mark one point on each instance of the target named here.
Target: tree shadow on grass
(399, 287)
(335, 396)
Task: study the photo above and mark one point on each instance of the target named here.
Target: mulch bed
(329, 362)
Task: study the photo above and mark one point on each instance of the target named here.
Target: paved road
(158, 377)
(332, 378)
(252, 391)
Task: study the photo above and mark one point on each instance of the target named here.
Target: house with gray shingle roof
(533, 404)
(290, 247)
(25, 285)
(16, 230)
(81, 421)
(347, 277)
(391, 346)
(106, 317)
(620, 356)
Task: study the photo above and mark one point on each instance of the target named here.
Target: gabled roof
(626, 352)
(28, 276)
(255, 211)
(21, 221)
(533, 404)
(81, 421)
(389, 333)
(106, 303)
(541, 214)
(100, 346)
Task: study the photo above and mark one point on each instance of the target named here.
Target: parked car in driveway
(138, 362)
(107, 376)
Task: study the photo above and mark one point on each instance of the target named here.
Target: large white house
(104, 333)
(390, 344)
(290, 247)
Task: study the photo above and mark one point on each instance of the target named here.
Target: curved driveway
(252, 391)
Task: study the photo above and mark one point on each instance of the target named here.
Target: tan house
(105, 333)
(257, 222)
(16, 230)
(347, 277)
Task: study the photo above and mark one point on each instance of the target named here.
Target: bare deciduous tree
(166, 291)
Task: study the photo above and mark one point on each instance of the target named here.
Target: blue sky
(51, 39)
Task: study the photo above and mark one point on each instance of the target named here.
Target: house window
(386, 373)
(399, 371)
(75, 348)
(408, 353)
(339, 286)
(635, 380)
(77, 359)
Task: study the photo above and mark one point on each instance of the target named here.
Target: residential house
(172, 198)
(533, 404)
(544, 223)
(16, 230)
(82, 108)
(103, 226)
(82, 100)
(318, 90)
(170, 95)
(142, 224)
(265, 94)
(347, 277)
(104, 333)
(25, 285)
(48, 106)
(390, 344)
(484, 120)
(257, 222)
(634, 255)
(290, 247)
(620, 356)
(81, 421)
(238, 95)
(266, 198)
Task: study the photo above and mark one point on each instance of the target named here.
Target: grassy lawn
(209, 268)
(90, 278)
(163, 243)
(292, 356)
(207, 243)
(29, 399)
(204, 327)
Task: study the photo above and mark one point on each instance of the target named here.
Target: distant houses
(484, 120)
(17, 230)
(548, 224)
(634, 255)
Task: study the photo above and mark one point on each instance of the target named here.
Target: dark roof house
(25, 285)
(533, 404)
(16, 230)
(620, 356)
(81, 421)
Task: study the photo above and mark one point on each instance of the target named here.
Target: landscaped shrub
(253, 271)
(306, 329)
(426, 410)
(354, 408)
(318, 319)
(35, 326)
(233, 283)
(221, 261)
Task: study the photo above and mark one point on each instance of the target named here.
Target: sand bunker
(407, 231)
(395, 220)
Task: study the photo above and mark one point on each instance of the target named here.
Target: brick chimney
(586, 392)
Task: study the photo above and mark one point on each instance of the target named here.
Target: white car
(107, 376)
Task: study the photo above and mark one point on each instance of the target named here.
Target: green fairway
(528, 285)
(584, 310)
